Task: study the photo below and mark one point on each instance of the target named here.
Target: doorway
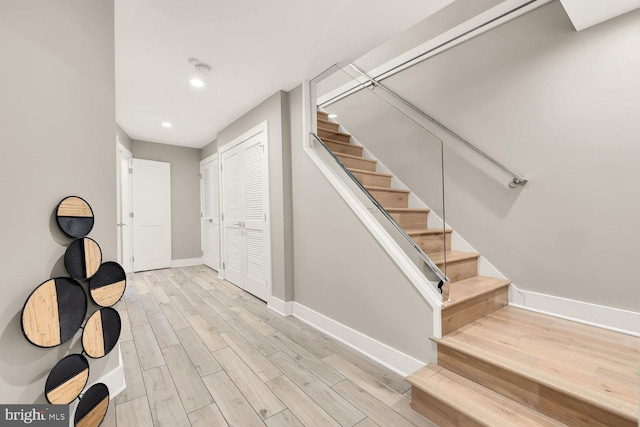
(245, 222)
(210, 211)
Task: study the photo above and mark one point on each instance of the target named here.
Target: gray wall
(560, 107)
(185, 194)
(57, 115)
(271, 110)
(209, 150)
(123, 137)
(340, 269)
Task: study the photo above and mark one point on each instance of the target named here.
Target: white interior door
(210, 221)
(151, 215)
(244, 221)
(126, 229)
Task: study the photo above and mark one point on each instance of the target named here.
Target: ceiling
(255, 48)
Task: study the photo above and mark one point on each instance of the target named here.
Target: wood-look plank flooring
(199, 351)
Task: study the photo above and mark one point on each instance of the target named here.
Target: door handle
(210, 220)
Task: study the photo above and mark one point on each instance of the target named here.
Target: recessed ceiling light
(166, 124)
(195, 82)
(333, 116)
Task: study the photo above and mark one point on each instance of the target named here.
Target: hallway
(199, 351)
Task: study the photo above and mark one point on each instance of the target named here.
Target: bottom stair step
(449, 399)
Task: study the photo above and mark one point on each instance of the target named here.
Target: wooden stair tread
(335, 141)
(349, 156)
(354, 170)
(402, 210)
(320, 120)
(544, 349)
(452, 256)
(484, 406)
(421, 231)
(387, 189)
(464, 290)
(332, 131)
(322, 114)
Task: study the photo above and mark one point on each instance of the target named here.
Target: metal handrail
(516, 178)
(433, 267)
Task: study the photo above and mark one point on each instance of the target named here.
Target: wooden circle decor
(107, 286)
(54, 312)
(93, 406)
(101, 332)
(67, 379)
(74, 216)
(83, 258)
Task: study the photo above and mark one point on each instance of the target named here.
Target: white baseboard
(185, 262)
(398, 362)
(283, 308)
(614, 319)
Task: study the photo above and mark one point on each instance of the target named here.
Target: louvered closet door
(254, 213)
(210, 214)
(244, 208)
(231, 225)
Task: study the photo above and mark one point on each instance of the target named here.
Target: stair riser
(457, 316)
(441, 413)
(564, 408)
(329, 126)
(353, 150)
(411, 219)
(323, 116)
(391, 199)
(373, 180)
(324, 133)
(461, 269)
(433, 242)
(358, 164)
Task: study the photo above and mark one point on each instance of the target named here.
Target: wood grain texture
(132, 374)
(96, 415)
(199, 354)
(149, 352)
(209, 416)
(92, 257)
(92, 336)
(233, 405)
(40, 318)
(134, 413)
(164, 402)
(357, 162)
(193, 393)
(74, 206)
(108, 295)
(69, 390)
(342, 147)
(388, 198)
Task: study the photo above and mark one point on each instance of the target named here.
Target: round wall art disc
(54, 312)
(74, 216)
(93, 406)
(67, 379)
(107, 286)
(101, 332)
(82, 258)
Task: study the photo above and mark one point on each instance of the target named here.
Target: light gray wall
(57, 115)
(340, 270)
(209, 150)
(123, 137)
(560, 107)
(185, 194)
(271, 111)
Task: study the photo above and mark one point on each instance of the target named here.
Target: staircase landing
(574, 373)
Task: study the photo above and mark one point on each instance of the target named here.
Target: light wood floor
(198, 351)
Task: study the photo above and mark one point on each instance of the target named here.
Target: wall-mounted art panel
(67, 379)
(101, 332)
(74, 216)
(83, 258)
(54, 312)
(93, 406)
(107, 286)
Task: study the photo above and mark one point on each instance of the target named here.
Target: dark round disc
(67, 379)
(93, 406)
(107, 286)
(83, 258)
(74, 216)
(101, 332)
(54, 312)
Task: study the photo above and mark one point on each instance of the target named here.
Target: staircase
(499, 365)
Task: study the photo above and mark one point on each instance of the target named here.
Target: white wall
(557, 106)
(57, 115)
